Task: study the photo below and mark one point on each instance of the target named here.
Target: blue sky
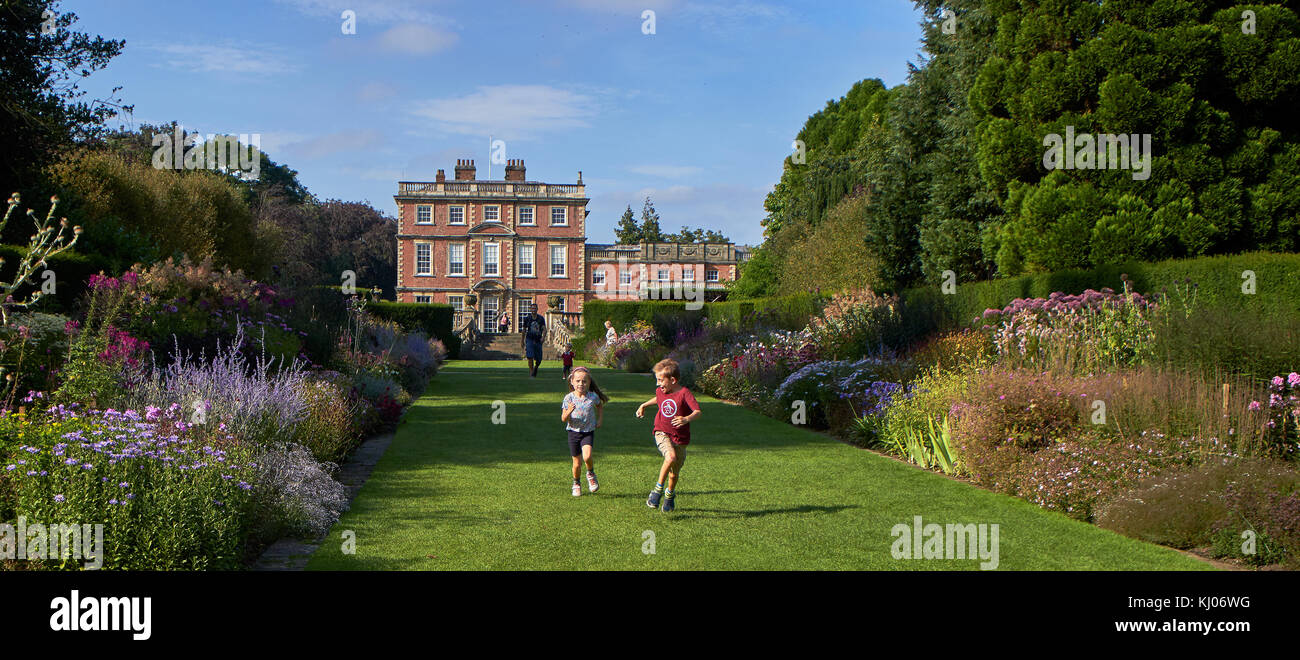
(698, 115)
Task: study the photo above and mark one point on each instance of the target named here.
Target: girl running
(583, 412)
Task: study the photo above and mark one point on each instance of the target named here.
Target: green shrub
(1219, 285)
(329, 428)
(434, 320)
(670, 317)
(1228, 338)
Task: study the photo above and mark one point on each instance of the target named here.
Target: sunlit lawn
(456, 491)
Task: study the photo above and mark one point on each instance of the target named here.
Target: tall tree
(650, 231)
(41, 62)
(628, 232)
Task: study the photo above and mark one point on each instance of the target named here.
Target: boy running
(567, 357)
(672, 430)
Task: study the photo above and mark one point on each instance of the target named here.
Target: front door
(490, 306)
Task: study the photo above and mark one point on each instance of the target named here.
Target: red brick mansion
(514, 243)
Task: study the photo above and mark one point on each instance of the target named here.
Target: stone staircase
(506, 347)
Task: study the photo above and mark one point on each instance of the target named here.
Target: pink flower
(1254, 405)
(1293, 380)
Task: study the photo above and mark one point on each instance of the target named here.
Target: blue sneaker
(668, 503)
(653, 502)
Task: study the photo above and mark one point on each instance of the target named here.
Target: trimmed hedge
(435, 320)
(1219, 285)
(72, 271)
(790, 312)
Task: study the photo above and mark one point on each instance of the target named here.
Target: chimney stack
(515, 170)
(464, 170)
(442, 176)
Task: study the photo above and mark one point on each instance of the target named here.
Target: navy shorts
(579, 438)
(533, 349)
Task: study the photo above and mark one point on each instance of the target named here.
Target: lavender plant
(248, 397)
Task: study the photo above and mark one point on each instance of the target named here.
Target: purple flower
(58, 498)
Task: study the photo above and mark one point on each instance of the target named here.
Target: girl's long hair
(594, 387)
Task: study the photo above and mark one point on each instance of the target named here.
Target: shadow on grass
(758, 513)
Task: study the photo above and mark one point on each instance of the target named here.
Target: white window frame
(452, 270)
(532, 216)
(562, 262)
(564, 216)
(424, 299)
(531, 261)
(451, 216)
(665, 275)
(598, 276)
(496, 270)
(457, 302)
(563, 304)
(494, 209)
(711, 275)
(688, 274)
(425, 210)
(625, 277)
(427, 259)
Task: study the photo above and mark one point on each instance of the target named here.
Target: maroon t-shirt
(679, 403)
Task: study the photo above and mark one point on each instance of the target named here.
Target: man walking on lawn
(533, 328)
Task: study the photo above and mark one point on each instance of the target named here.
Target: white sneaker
(591, 482)
(577, 490)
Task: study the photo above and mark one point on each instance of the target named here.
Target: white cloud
(666, 171)
(204, 58)
(416, 39)
(510, 111)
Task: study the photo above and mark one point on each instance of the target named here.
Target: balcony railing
(632, 255)
(489, 189)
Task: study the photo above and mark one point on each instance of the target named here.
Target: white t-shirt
(610, 335)
(583, 417)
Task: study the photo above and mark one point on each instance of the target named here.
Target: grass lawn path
(455, 491)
